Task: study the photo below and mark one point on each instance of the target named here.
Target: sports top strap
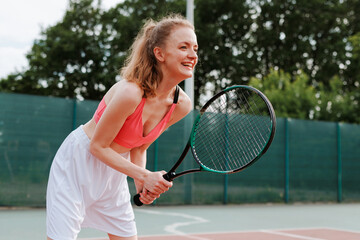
(176, 96)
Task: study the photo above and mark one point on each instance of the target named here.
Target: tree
(222, 27)
(297, 99)
(337, 104)
(242, 39)
(69, 59)
(293, 99)
(307, 35)
(81, 56)
(238, 40)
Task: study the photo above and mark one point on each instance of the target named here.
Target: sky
(21, 22)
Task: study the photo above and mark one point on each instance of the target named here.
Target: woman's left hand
(147, 197)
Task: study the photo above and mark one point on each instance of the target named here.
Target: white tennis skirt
(84, 192)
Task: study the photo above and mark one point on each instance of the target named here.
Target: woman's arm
(123, 103)
(138, 157)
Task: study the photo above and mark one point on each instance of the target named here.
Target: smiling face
(178, 57)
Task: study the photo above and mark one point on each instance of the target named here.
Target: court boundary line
(255, 230)
(172, 228)
(269, 231)
(237, 231)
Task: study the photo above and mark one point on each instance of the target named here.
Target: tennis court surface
(290, 234)
(240, 222)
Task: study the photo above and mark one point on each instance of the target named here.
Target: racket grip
(168, 177)
(137, 201)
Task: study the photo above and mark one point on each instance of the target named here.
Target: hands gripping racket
(232, 131)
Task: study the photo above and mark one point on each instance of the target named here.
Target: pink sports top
(132, 134)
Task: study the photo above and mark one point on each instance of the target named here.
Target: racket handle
(137, 201)
(168, 177)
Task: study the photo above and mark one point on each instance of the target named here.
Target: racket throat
(170, 176)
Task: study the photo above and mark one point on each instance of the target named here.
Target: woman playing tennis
(87, 184)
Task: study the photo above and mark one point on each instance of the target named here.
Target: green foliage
(294, 99)
(224, 53)
(337, 104)
(81, 55)
(353, 71)
(242, 40)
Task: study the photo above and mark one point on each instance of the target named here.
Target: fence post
(156, 155)
(286, 180)
(189, 178)
(156, 159)
(226, 177)
(339, 163)
(226, 183)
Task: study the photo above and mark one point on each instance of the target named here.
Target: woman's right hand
(156, 184)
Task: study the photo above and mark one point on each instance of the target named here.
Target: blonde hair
(141, 65)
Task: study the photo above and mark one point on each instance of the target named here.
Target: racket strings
(232, 131)
(254, 127)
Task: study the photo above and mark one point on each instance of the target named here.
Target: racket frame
(171, 175)
(190, 144)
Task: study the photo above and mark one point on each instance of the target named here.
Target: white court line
(93, 238)
(173, 228)
(291, 235)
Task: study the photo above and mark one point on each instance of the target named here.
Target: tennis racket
(231, 132)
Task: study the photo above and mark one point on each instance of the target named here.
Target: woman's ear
(159, 55)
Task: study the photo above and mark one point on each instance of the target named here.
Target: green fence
(309, 161)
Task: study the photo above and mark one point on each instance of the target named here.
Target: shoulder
(126, 91)
(185, 104)
(124, 96)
